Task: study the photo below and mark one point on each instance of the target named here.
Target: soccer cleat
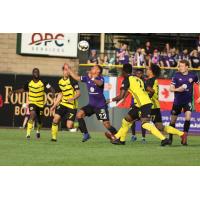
(38, 135)
(143, 141)
(184, 139)
(110, 136)
(53, 140)
(28, 137)
(86, 137)
(164, 142)
(116, 142)
(133, 138)
(122, 143)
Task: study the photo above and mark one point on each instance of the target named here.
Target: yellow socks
(122, 133)
(54, 131)
(172, 130)
(154, 131)
(29, 128)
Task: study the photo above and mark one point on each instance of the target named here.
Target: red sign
(127, 101)
(196, 96)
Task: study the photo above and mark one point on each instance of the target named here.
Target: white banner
(110, 90)
(49, 44)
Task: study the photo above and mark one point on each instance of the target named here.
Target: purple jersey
(178, 80)
(96, 96)
(172, 61)
(123, 58)
(165, 61)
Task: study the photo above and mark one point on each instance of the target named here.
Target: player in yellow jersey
(36, 91)
(140, 110)
(66, 103)
(152, 88)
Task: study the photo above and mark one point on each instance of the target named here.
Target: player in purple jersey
(182, 86)
(97, 103)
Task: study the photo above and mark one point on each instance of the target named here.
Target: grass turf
(15, 150)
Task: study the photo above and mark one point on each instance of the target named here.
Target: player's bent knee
(80, 114)
(106, 124)
(69, 126)
(159, 126)
(56, 120)
(145, 120)
(188, 117)
(128, 118)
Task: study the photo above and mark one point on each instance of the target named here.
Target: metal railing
(113, 70)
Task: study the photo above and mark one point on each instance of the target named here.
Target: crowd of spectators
(144, 56)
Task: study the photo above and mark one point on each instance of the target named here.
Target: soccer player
(182, 86)
(97, 103)
(152, 88)
(141, 110)
(36, 91)
(140, 74)
(66, 102)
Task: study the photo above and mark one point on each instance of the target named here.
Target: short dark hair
(155, 70)
(139, 70)
(100, 68)
(35, 69)
(186, 62)
(127, 68)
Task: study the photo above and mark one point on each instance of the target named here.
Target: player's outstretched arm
(123, 90)
(179, 89)
(56, 101)
(150, 90)
(76, 96)
(119, 97)
(98, 82)
(73, 74)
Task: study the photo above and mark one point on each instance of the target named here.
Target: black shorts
(38, 110)
(101, 113)
(142, 112)
(65, 112)
(156, 116)
(177, 109)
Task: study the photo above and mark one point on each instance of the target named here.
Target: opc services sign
(49, 44)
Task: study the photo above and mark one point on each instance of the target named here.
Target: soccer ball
(83, 45)
(184, 86)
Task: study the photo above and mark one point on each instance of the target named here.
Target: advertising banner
(195, 121)
(110, 89)
(49, 44)
(12, 111)
(194, 126)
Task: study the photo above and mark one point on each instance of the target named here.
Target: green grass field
(15, 150)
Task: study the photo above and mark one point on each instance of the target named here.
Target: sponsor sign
(48, 44)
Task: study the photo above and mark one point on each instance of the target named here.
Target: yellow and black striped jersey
(36, 92)
(153, 83)
(68, 89)
(136, 87)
